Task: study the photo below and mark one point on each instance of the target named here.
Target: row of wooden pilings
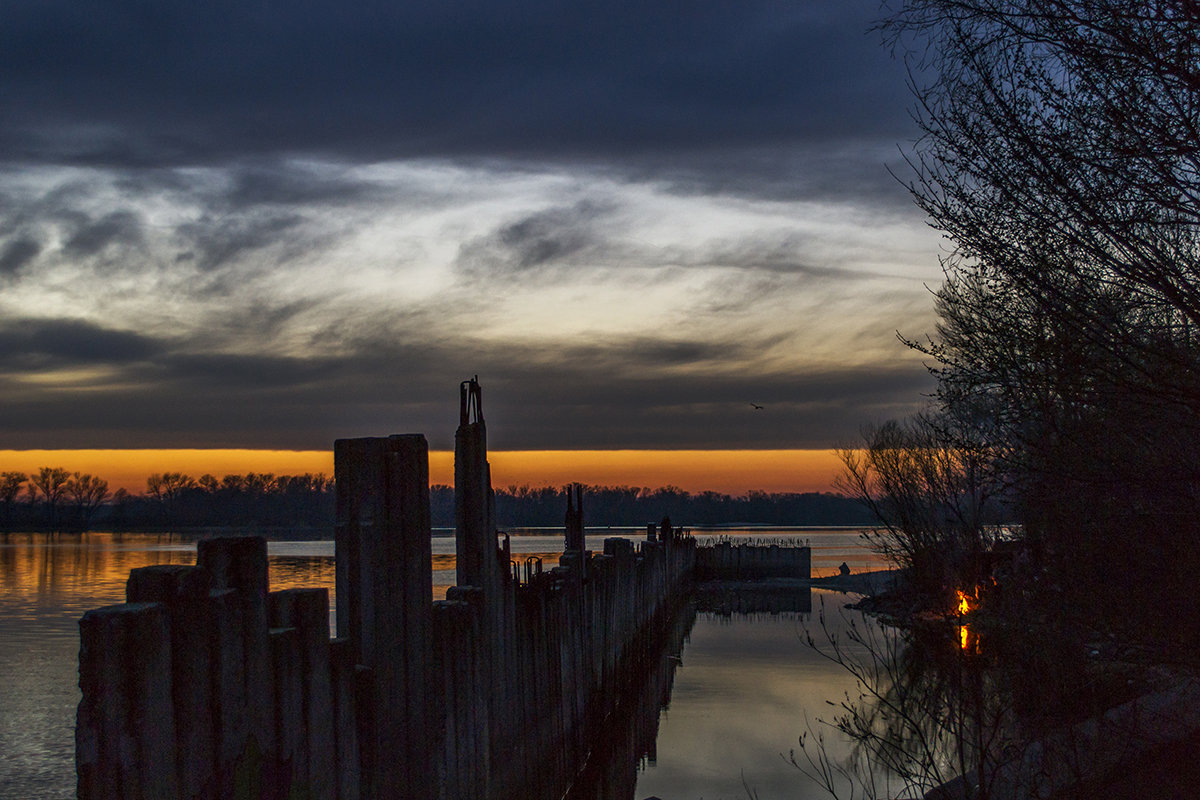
(750, 562)
(205, 684)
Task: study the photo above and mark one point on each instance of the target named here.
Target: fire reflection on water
(967, 602)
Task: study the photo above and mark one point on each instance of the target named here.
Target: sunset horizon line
(728, 471)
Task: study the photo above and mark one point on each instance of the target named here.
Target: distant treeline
(626, 505)
(54, 498)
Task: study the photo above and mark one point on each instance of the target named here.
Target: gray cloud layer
(619, 394)
(134, 82)
(273, 224)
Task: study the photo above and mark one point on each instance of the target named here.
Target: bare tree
(87, 492)
(1061, 158)
(167, 488)
(11, 483)
(48, 485)
(1062, 140)
(935, 494)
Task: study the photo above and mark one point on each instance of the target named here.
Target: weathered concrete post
(384, 606)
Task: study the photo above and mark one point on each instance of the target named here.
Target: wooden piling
(307, 612)
(348, 771)
(384, 596)
(240, 563)
(184, 590)
(230, 714)
(125, 725)
(498, 693)
(286, 772)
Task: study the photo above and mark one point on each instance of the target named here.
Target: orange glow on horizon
(729, 471)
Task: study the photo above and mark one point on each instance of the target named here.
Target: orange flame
(966, 602)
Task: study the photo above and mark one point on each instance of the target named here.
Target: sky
(268, 225)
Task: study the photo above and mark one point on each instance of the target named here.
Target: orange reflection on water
(82, 570)
(967, 602)
(67, 574)
(968, 641)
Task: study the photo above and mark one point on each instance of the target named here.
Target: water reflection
(743, 681)
(628, 740)
(741, 697)
(927, 708)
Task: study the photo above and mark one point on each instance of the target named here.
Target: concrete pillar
(384, 593)
(125, 724)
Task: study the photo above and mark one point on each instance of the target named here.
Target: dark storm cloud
(274, 183)
(216, 241)
(93, 235)
(819, 409)
(640, 392)
(219, 154)
(17, 253)
(171, 82)
(563, 241)
(546, 238)
(251, 372)
(837, 169)
(550, 236)
(33, 343)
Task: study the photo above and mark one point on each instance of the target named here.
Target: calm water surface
(739, 701)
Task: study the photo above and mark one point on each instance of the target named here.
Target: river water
(740, 699)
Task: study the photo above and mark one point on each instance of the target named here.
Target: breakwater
(742, 562)
(206, 684)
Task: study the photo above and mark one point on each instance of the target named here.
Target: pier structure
(206, 684)
(725, 561)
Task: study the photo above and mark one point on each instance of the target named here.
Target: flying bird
(757, 407)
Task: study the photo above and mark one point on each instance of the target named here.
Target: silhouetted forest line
(54, 498)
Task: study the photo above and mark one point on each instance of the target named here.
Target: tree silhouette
(48, 485)
(87, 492)
(167, 488)
(1061, 157)
(11, 483)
